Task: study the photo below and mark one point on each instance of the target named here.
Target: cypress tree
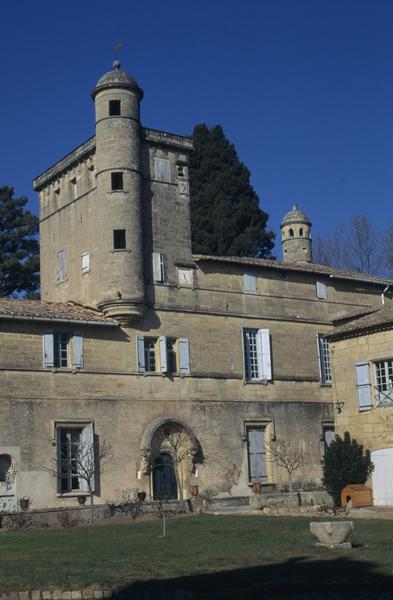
(345, 462)
(226, 219)
(19, 248)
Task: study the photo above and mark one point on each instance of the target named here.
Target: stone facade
(136, 340)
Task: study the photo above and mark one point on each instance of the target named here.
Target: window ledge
(327, 384)
(115, 251)
(118, 192)
(73, 494)
(257, 381)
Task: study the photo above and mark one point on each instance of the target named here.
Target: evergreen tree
(345, 462)
(226, 218)
(19, 248)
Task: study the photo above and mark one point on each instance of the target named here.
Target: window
(85, 262)
(61, 266)
(181, 171)
(384, 381)
(321, 290)
(257, 358)
(75, 457)
(291, 234)
(117, 182)
(119, 239)
(256, 454)
(160, 264)
(164, 355)
(62, 350)
(301, 232)
(114, 108)
(324, 359)
(74, 189)
(162, 169)
(250, 283)
(329, 435)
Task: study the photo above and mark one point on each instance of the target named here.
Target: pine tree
(19, 248)
(345, 462)
(226, 218)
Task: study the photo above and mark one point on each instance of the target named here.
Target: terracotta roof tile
(56, 311)
(380, 318)
(302, 267)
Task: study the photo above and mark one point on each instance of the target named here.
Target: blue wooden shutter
(163, 354)
(47, 343)
(87, 459)
(61, 266)
(363, 386)
(77, 351)
(250, 283)
(162, 169)
(184, 356)
(256, 453)
(157, 273)
(322, 372)
(59, 460)
(140, 353)
(264, 354)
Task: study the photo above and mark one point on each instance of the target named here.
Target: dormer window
(114, 108)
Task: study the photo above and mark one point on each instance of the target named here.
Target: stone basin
(331, 533)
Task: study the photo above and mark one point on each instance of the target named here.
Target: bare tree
(356, 246)
(88, 460)
(287, 455)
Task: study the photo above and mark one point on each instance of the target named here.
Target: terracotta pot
(257, 487)
(194, 491)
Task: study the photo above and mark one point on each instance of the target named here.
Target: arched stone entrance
(170, 452)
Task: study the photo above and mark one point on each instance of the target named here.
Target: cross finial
(116, 62)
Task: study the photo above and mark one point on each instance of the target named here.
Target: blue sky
(303, 88)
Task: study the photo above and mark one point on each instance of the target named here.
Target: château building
(136, 339)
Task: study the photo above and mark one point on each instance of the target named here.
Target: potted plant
(257, 487)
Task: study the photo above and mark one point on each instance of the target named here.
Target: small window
(384, 381)
(60, 350)
(321, 290)
(181, 171)
(114, 108)
(257, 354)
(5, 465)
(329, 435)
(159, 267)
(250, 283)
(117, 181)
(85, 262)
(165, 355)
(291, 234)
(324, 359)
(301, 231)
(256, 454)
(119, 239)
(61, 266)
(162, 169)
(74, 189)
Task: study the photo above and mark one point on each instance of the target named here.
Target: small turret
(119, 194)
(296, 236)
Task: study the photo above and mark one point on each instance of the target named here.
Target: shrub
(345, 462)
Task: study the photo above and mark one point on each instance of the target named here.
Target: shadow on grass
(297, 578)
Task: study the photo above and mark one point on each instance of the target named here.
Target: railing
(384, 397)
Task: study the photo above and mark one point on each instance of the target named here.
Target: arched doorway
(164, 478)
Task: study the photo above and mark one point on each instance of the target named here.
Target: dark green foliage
(345, 462)
(19, 248)
(226, 219)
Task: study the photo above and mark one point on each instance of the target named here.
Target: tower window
(117, 182)
(119, 239)
(291, 234)
(301, 232)
(114, 108)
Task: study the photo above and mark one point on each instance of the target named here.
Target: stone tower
(296, 236)
(119, 194)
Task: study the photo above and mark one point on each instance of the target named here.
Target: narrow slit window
(117, 182)
(119, 239)
(114, 108)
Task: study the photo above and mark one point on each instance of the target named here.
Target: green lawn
(274, 552)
